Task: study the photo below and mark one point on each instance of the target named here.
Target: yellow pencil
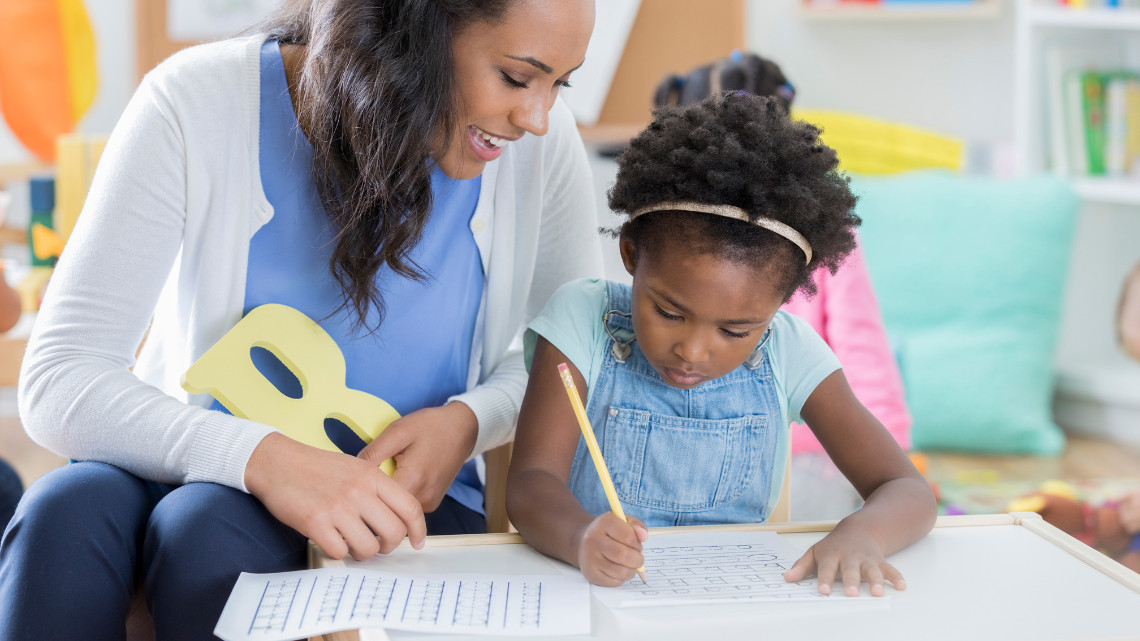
(595, 451)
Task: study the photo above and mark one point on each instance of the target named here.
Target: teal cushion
(970, 273)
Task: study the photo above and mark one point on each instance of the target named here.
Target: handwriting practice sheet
(702, 567)
(291, 605)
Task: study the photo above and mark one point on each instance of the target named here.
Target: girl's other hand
(343, 504)
(429, 445)
(851, 556)
(610, 550)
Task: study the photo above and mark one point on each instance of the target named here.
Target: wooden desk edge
(1090, 556)
(1029, 520)
(317, 556)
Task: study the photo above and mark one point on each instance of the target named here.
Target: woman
(377, 165)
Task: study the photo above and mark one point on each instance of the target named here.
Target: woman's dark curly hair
(743, 150)
(376, 98)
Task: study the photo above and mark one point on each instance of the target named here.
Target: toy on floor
(1099, 526)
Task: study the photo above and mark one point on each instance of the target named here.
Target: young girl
(692, 375)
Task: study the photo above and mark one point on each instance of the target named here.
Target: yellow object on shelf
(871, 146)
(227, 372)
(45, 243)
(76, 158)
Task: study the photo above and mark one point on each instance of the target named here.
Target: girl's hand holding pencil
(607, 485)
(609, 552)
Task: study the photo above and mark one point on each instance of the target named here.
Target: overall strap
(756, 359)
(618, 321)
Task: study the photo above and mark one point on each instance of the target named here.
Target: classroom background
(995, 146)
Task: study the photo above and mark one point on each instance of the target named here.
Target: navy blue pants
(87, 534)
(11, 488)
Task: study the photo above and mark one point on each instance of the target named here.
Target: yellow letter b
(227, 372)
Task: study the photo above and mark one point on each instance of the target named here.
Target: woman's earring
(620, 349)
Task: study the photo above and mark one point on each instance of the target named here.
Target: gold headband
(736, 213)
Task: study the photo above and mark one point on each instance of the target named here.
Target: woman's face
(508, 75)
(697, 316)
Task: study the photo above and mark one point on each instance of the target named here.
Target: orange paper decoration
(48, 76)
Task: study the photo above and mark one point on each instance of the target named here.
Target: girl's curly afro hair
(739, 149)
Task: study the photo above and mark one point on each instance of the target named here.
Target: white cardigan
(165, 234)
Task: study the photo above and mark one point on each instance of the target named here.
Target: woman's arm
(78, 395)
(553, 240)
(564, 245)
(899, 509)
(539, 501)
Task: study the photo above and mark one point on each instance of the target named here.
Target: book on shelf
(1101, 124)
(1093, 110)
(1122, 126)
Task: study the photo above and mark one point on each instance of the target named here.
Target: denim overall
(676, 456)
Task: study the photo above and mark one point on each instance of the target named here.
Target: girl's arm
(899, 509)
(539, 501)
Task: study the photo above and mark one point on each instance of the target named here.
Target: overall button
(613, 412)
(478, 225)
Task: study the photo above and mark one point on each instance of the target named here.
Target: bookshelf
(927, 10)
(1049, 38)
(1098, 387)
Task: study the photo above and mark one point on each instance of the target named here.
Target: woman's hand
(429, 445)
(851, 555)
(610, 550)
(345, 505)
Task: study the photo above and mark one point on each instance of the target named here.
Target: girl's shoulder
(572, 322)
(790, 322)
(581, 294)
(793, 334)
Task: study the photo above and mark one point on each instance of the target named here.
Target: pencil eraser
(562, 367)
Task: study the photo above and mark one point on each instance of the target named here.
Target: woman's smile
(485, 146)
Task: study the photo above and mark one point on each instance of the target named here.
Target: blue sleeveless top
(419, 357)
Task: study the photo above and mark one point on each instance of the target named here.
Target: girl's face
(508, 75)
(697, 316)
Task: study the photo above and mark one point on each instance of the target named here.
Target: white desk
(974, 577)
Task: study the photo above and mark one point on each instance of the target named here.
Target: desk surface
(990, 577)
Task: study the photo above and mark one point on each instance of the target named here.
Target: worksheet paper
(703, 567)
(291, 605)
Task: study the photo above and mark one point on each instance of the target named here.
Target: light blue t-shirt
(420, 355)
(572, 322)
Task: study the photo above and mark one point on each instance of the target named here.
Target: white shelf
(902, 10)
(1089, 18)
(1117, 191)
